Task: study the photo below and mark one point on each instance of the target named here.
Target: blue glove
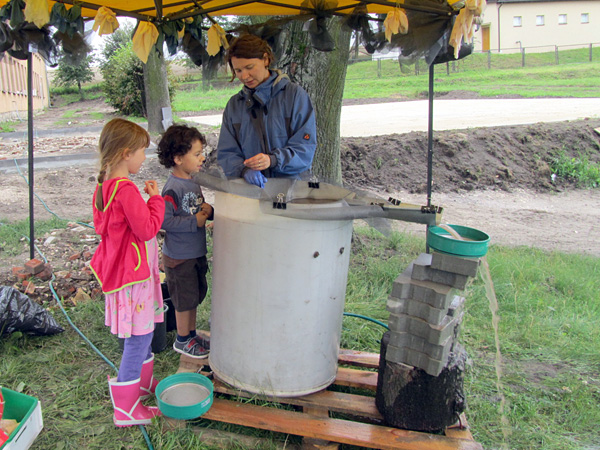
(255, 177)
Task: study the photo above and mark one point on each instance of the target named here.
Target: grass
(69, 95)
(12, 238)
(575, 76)
(579, 168)
(549, 310)
(7, 126)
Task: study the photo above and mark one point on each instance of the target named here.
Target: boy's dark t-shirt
(183, 239)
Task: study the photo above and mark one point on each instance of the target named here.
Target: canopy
(173, 9)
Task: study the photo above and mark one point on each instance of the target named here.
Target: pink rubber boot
(147, 381)
(128, 404)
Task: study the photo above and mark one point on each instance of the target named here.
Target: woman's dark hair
(177, 141)
(248, 46)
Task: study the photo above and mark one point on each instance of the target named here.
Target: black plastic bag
(19, 313)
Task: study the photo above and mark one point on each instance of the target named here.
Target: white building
(538, 25)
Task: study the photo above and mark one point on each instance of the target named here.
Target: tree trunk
(156, 88)
(322, 74)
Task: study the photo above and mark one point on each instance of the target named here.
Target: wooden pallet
(366, 429)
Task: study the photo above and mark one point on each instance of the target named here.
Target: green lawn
(549, 384)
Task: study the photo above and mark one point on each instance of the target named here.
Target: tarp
(148, 9)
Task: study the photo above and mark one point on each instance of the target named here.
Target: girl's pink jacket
(125, 224)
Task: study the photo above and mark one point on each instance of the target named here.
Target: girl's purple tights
(136, 350)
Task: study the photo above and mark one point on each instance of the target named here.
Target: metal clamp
(280, 203)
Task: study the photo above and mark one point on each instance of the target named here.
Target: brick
(437, 295)
(34, 266)
(430, 365)
(434, 334)
(23, 275)
(74, 256)
(416, 308)
(45, 274)
(17, 270)
(455, 264)
(424, 272)
(435, 351)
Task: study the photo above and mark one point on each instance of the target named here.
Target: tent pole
(430, 143)
(30, 151)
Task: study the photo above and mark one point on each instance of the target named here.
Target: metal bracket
(280, 203)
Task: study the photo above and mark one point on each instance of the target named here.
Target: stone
(434, 334)
(411, 357)
(416, 308)
(437, 295)
(422, 271)
(408, 341)
(455, 264)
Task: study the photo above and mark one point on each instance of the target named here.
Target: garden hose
(360, 316)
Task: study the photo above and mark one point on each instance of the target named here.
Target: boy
(184, 249)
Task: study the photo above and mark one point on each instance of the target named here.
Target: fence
(508, 58)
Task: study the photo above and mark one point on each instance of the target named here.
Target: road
(403, 117)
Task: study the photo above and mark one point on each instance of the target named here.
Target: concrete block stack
(426, 310)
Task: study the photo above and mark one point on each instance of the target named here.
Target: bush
(124, 82)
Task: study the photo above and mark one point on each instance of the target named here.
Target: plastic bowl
(184, 396)
(475, 244)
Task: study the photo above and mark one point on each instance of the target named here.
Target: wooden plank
(356, 378)
(360, 359)
(336, 430)
(356, 405)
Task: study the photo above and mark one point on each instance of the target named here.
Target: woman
(269, 128)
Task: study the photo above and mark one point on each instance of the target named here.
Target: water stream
(490, 293)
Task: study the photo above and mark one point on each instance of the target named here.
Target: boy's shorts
(187, 283)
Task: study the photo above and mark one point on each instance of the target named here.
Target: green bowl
(475, 245)
(184, 396)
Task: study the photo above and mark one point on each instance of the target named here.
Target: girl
(126, 265)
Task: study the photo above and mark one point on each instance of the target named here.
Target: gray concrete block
(437, 295)
(434, 334)
(424, 272)
(455, 264)
(416, 308)
(457, 306)
(414, 358)
(412, 342)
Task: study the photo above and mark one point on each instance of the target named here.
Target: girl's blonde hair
(118, 137)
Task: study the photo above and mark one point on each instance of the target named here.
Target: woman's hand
(151, 188)
(258, 162)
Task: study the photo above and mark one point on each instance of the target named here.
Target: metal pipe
(30, 151)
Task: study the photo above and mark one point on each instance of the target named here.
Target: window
(539, 21)
(562, 19)
(585, 18)
(517, 21)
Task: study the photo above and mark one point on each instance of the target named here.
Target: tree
(113, 42)
(124, 81)
(69, 74)
(322, 74)
(156, 87)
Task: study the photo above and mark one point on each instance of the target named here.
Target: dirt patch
(495, 179)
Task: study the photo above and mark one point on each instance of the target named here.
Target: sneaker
(190, 348)
(202, 341)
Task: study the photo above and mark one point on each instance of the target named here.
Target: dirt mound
(482, 158)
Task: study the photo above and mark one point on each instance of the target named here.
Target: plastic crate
(28, 412)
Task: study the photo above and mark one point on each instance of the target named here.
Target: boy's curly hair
(177, 140)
